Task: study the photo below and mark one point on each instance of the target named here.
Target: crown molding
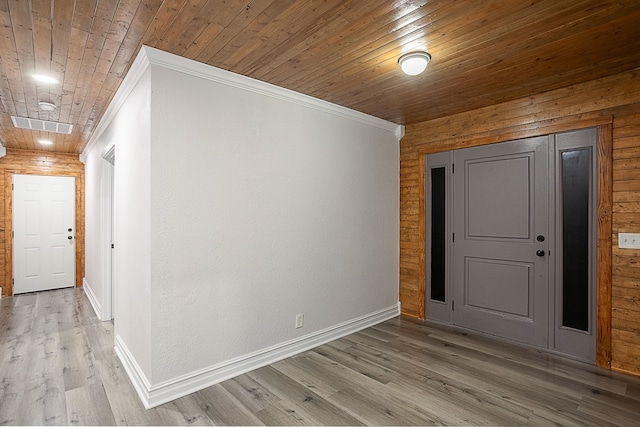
(148, 56)
(137, 70)
(204, 71)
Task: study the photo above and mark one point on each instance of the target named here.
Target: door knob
(540, 252)
(70, 237)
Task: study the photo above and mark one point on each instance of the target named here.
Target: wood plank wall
(625, 292)
(38, 163)
(614, 100)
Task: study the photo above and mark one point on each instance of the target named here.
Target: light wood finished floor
(58, 367)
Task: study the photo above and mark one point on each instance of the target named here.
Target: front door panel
(500, 273)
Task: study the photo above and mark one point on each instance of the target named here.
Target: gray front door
(511, 240)
(501, 240)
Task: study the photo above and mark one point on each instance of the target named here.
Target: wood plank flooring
(58, 367)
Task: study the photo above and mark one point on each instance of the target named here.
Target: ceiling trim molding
(198, 69)
(148, 56)
(137, 70)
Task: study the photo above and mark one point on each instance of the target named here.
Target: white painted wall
(129, 129)
(240, 205)
(262, 209)
(132, 317)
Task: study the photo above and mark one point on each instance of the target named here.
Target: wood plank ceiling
(484, 52)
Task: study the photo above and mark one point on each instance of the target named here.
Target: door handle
(540, 252)
(70, 237)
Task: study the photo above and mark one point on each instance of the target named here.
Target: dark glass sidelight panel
(576, 176)
(438, 212)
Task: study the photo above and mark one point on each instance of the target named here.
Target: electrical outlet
(299, 321)
(629, 240)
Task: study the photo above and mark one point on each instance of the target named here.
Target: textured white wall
(132, 315)
(261, 209)
(235, 211)
(129, 129)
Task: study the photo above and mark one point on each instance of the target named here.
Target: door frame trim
(604, 209)
(107, 204)
(8, 218)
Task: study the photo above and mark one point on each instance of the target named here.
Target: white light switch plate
(629, 240)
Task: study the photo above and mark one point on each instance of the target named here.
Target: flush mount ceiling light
(45, 142)
(43, 78)
(413, 63)
(47, 106)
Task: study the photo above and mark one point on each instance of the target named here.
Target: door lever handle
(540, 252)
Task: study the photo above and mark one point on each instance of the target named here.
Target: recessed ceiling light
(43, 78)
(414, 63)
(45, 142)
(47, 106)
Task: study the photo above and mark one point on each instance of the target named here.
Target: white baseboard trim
(95, 304)
(154, 395)
(131, 367)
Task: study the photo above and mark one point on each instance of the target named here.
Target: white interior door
(43, 233)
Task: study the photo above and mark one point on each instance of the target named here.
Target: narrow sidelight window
(576, 178)
(438, 233)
